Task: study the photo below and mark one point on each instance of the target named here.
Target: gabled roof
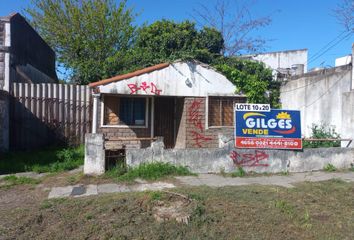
(130, 75)
(180, 78)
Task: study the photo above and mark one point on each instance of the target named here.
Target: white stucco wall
(178, 79)
(283, 59)
(319, 97)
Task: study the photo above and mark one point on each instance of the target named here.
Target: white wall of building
(283, 59)
(320, 98)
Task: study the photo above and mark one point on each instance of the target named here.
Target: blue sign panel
(276, 128)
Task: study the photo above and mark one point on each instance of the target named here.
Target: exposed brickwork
(197, 136)
(125, 132)
(191, 131)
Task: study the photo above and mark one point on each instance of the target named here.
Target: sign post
(259, 126)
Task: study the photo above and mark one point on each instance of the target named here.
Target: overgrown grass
(13, 180)
(49, 160)
(148, 171)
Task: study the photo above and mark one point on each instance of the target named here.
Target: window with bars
(125, 111)
(221, 110)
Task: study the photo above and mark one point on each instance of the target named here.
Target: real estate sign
(259, 126)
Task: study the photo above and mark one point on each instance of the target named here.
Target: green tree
(167, 41)
(251, 78)
(90, 37)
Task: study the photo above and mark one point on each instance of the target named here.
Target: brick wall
(191, 129)
(197, 136)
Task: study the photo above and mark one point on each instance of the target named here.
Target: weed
(322, 131)
(239, 173)
(155, 196)
(14, 180)
(196, 196)
(330, 168)
(199, 210)
(351, 167)
(119, 170)
(285, 173)
(285, 207)
(149, 171)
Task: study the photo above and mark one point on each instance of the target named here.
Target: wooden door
(165, 120)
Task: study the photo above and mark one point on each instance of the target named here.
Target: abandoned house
(187, 103)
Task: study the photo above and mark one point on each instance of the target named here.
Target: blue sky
(296, 24)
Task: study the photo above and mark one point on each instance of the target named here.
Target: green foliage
(149, 171)
(50, 160)
(239, 173)
(155, 196)
(330, 168)
(90, 37)
(322, 131)
(285, 207)
(166, 41)
(252, 79)
(12, 180)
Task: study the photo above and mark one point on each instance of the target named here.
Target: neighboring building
(189, 104)
(283, 63)
(323, 96)
(24, 57)
(343, 60)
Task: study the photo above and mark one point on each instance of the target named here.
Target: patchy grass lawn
(321, 210)
(12, 180)
(49, 160)
(147, 171)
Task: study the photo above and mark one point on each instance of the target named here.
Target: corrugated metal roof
(130, 75)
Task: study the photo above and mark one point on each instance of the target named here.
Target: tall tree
(234, 21)
(344, 12)
(167, 41)
(91, 37)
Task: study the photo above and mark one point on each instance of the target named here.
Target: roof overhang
(176, 79)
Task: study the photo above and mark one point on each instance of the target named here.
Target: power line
(306, 106)
(325, 46)
(330, 47)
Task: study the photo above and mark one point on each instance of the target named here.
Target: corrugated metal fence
(46, 114)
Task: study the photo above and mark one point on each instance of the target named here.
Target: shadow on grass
(48, 160)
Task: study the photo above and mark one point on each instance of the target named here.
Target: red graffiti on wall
(256, 159)
(134, 88)
(195, 117)
(199, 138)
(155, 90)
(194, 114)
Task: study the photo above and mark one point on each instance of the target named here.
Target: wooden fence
(47, 114)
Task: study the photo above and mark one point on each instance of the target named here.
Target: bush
(148, 171)
(322, 131)
(239, 173)
(330, 168)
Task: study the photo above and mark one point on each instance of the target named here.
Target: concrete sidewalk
(211, 180)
